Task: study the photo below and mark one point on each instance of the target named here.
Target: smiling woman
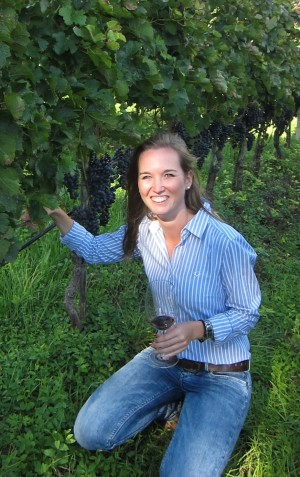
(208, 267)
(174, 167)
(162, 185)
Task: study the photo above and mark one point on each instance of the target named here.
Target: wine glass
(160, 313)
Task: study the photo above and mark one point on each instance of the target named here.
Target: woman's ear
(189, 179)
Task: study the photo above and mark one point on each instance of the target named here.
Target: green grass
(47, 369)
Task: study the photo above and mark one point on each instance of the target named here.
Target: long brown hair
(136, 208)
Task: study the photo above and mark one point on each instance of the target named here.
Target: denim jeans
(214, 409)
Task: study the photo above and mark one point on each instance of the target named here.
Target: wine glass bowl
(160, 313)
(162, 322)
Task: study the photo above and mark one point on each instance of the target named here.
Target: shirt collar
(195, 226)
(198, 224)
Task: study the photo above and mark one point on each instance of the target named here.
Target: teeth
(158, 199)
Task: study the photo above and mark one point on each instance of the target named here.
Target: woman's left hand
(177, 338)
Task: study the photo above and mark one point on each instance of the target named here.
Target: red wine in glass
(162, 323)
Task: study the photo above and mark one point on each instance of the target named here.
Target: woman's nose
(157, 184)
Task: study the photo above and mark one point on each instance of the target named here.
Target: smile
(158, 200)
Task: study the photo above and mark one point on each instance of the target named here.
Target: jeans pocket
(243, 378)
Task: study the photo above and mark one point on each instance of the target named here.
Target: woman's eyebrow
(166, 170)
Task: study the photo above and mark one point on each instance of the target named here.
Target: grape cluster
(120, 163)
(201, 146)
(71, 182)
(87, 217)
(253, 118)
(250, 141)
(239, 131)
(282, 122)
(180, 129)
(99, 178)
(215, 130)
(220, 133)
(224, 135)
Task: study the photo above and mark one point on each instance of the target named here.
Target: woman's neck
(172, 228)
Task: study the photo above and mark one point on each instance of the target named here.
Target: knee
(91, 435)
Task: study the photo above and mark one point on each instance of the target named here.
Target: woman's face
(162, 182)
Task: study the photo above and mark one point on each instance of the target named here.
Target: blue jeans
(214, 409)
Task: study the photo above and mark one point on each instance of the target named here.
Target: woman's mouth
(160, 199)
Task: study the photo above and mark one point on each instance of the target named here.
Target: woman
(209, 267)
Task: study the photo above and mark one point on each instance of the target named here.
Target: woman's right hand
(61, 218)
(49, 211)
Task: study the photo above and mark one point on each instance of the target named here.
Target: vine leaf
(72, 16)
(4, 54)
(15, 104)
(9, 181)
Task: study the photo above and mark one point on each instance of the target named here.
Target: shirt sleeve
(242, 290)
(100, 249)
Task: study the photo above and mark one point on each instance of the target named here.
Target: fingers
(169, 345)
(175, 339)
(49, 211)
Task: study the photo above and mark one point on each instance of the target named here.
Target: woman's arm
(243, 292)
(61, 218)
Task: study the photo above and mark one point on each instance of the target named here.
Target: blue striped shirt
(210, 274)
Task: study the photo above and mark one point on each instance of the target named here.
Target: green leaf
(7, 149)
(49, 452)
(4, 223)
(9, 181)
(44, 5)
(14, 247)
(4, 54)
(167, 75)
(21, 35)
(219, 82)
(178, 97)
(4, 247)
(271, 23)
(23, 71)
(122, 88)
(79, 17)
(152, 67)
(100, 58)
(113, 45)
(183, 66)
(43, 44)
(95, 34)
(8, 22)
(15, 104)
(8, 202)
(61, 45)
(143, 29)
(72, 16)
